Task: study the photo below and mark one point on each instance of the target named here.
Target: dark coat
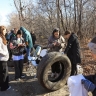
(13, 37)
(33, 38)
(73, 49)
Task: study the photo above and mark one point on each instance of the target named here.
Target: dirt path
(30, 86)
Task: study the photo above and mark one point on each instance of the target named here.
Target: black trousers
(18, 68)
(73, 69)
(92, 78)
(4, 79)
(55, 67)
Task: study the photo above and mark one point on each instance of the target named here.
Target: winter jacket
(4, 55)
(73, 49)
(60, 40)
(12, 37)
(14, 46)
(27, 37)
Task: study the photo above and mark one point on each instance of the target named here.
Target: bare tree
(76, 15)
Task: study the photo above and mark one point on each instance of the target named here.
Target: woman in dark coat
(72, 50)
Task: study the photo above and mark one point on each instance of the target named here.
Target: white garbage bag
(75, 86)
(43, 52)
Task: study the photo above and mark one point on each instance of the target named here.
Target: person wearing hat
(72, 50)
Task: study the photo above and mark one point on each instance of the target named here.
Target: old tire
(45, 64)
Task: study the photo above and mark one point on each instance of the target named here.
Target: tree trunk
(58, 14)
(66, 15)
(75, 15)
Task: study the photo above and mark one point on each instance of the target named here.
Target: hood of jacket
(23, 29)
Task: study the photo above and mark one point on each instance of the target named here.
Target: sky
(6, 7)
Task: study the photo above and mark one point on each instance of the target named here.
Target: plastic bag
(75, 86)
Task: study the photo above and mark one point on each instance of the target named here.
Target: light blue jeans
(28, 50)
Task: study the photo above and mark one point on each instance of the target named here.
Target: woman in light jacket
(4, 56)
(56, 43)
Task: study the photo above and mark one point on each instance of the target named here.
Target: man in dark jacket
(72, 50)
(12, 37)
(33, 37)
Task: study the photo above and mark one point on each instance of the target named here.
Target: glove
(88, 85)
(26, 43)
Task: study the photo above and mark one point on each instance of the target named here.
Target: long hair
(56, 30)
(2, 35)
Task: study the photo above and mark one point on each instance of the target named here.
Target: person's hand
(23, 44)
(11, 46)
(88, 85)
(19, 45)
(54, 43)
(58, 44)
(26, 43)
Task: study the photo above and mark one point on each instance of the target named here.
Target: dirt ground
(29, 86)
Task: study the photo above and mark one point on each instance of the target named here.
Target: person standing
(56, 43)
(4, 56)
(72, 50)
(17, 48)
(33, 36)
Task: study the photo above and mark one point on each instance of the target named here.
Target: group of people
(82, 82)
(57, 43)
(19, 43)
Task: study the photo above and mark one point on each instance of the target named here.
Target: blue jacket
(27, 37)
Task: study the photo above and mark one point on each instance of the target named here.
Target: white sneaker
(18, 79)
(22, 76)
(9, 87)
